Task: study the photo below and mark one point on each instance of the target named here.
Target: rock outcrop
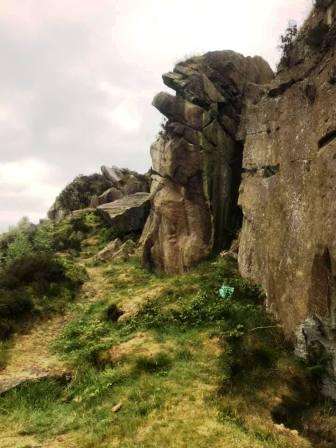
(128, 214)
(91, 191)
(196, 160)
(123, 183)
(117, 251)
(229, 124)
(77, 195)
(288, 192)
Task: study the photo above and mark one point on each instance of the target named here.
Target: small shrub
(35, 283)
(39, 269)
(287, 43)
(18, 240)
(78, 193)
(14, 303)
(64, 238)
(43, 238)
(19, 247)
(74, 273)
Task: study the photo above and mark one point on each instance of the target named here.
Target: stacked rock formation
(123, 183)
(97, 189)
(196, 160)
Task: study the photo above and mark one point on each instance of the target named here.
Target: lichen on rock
(196, 161)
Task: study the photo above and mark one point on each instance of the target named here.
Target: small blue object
(226, 292)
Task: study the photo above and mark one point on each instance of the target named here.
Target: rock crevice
(196, 161)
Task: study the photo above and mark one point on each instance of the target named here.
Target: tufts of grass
(159, 363)
(84, 339)
(206, 372)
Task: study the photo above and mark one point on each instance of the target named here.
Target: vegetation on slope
(34, 278)
(158, 360)
(182, 367)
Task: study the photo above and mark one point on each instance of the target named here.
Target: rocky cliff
(287, 195)
(232, 126)
(196, 159)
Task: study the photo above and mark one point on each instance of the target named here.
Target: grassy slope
(188, 368)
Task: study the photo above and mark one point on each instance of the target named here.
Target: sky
(77, 78)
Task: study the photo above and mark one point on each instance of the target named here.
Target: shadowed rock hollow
(196, 160)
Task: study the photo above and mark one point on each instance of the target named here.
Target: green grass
(189, 368)
(4, 353)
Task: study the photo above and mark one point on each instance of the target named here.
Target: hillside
(194, 305)
(147, 360)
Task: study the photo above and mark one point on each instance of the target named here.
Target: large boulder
(288, 193)
(197, 158)
(123, 183)
(126, 215)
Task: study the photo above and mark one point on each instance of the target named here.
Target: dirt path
(31, 357)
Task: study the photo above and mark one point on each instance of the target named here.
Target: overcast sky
(77, 78)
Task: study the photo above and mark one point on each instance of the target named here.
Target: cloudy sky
(77, 78)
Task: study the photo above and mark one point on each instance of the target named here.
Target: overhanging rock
(128, 214)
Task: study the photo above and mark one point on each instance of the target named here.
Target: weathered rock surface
(128, 214)
(77, 195)
(7, 384)
(91, 191)
(123, 183)
(196, 160)
(109, 251)
(117, 251)
(288, 191)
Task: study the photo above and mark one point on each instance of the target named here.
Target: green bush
(77, 194)
(73, 273)
(39, 282)
(14, 303)
(17, 241)
(19, 247)
(38, 268)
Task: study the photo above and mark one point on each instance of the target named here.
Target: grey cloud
(51, 82)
